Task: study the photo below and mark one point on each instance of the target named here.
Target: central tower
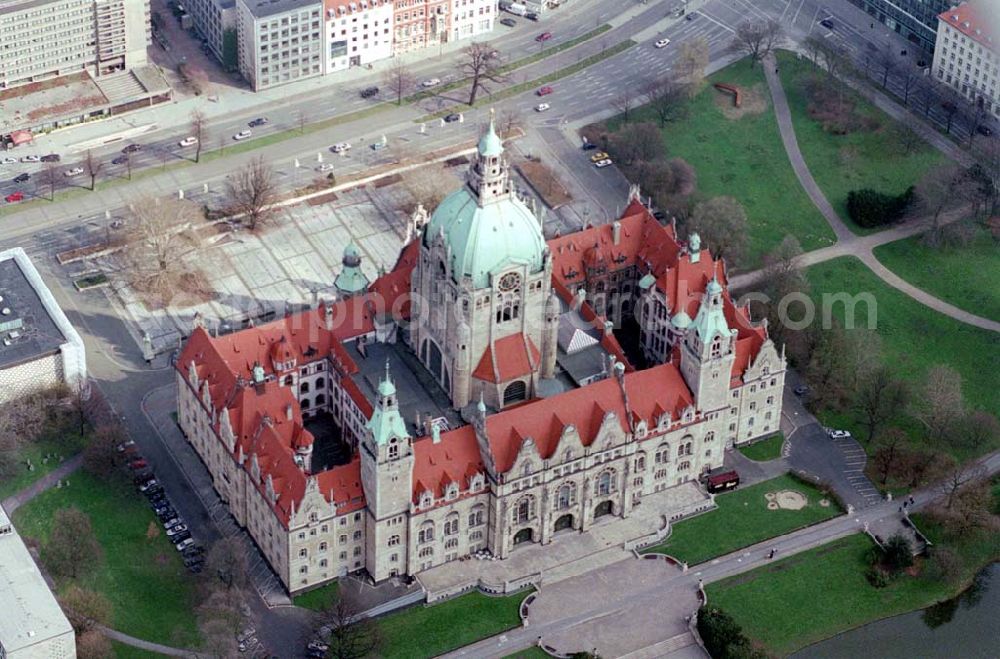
(480, 289)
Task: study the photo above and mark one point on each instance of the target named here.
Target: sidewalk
(48, 481)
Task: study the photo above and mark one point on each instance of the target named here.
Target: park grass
(533, 652)
(914, 338)
(123, 651)
(819, 593)
(318, 599)
(862, 159)
(742, 519)
(427, 631)
(744, 158)
(152, 595)
(55, 442)
(963, 276)
(765, 449)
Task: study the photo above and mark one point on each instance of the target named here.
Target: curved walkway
(849, 244)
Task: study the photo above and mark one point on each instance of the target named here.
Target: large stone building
(476, 397)
(914, 19)
(967, 57)
(39, 348)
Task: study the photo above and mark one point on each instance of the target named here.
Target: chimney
(435, 433)
(579, 299)
(616, 231)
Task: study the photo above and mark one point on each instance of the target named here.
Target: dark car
(827, 23)
(194, 550)
(52, 157)
(166, 513)
(544, 36)
(452, 117)
(259, 121)
(691, 17)
(21, 178)
(984, 130)
(509, 22)
(589, 146)
(194, 560)
(132, 148)
(801, 390)
(369, 92)
(531, 16)
(120, 160)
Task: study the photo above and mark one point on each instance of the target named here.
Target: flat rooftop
(24, 322)
(264, 8)
(30, 611)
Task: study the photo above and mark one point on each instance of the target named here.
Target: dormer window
(426, 500)
(451, 492)
(477, 482)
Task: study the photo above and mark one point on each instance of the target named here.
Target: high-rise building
(43, 39)
(914, 19)
(967, 56)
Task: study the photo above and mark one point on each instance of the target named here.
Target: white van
(517, 9)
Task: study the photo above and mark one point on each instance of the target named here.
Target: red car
(138, 464)
(14, 196)
(544, 91)
(544, 36)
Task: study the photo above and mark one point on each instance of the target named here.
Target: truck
(515, 8)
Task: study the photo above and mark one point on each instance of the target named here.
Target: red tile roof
(452, 460)
(969, 20)
(511, 357)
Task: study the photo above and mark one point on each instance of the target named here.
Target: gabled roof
(456, 460)
(511, 357)
(968, 19)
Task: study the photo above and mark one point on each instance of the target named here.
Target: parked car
(184, 544)
(120, 160)
(378, 146)
(600, 155)
(132, 148)
(531, 16)
(369, 92)
(544, 91)
(21, 178)
(452, 117)
(142, 476)
(31, 159)
(691, 16)
(838, 434)
(196, 568)
(138, 464)
(827, 23)
(325, 167)
(188, 141)
(8, 161)
(179, 537)
(984, 130)
(173, 521)
(51, 157)
(588, 146)
(431, 82)
(259, 121)
(801, 390)
(317, 645)
(242, 135)
(194, 550)
(601, 164)
(73, 171)
(662, 43)
(125, 445)
(341, 147)
(245, 634)
(542, 107)
(14, 196)
(168, 513)
(509, 22)
(155, 493)
(194, 560)
(728, 480)
(544, 36)
(145, 487)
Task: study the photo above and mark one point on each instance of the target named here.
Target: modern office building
(914, 19)
(39, 347)
(40, 39)
(967, 56)
(358, 32)
(32, 626)
(280, 41)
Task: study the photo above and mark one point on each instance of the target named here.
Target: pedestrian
(900, 509)
(912, 501)
(905, 504)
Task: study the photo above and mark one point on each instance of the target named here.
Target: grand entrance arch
(602, 509)
(564, 522)
(524, 535)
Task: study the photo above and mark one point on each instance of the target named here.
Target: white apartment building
(470, 18)
(358, 32)
(44, 39)
(280, 41)
(966, 55)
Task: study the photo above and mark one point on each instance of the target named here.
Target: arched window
(288, 380)
(320, 399)
(393, 540)
(393, 449)
(662, 454)
(476, 516)
(640, 462)
(565, 496)
(304, 388)
(320, 383)
(709, 437)
(717, 347)
(426, 533)
(451, 524)
(514, 392)
(524, 510)
(305, 403)
(604, 483)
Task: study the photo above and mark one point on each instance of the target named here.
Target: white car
(341, 147)
(188, 141)
(601, 164)
(73, 172)
(242, 135)
(662, 43)
(31, 159)
(838, 434)
(431, 82)
(184, 544)
(542, 107)
(8, 161)
(325, 167)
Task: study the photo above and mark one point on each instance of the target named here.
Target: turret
(708, 350)
(351, 280)
(550, 335)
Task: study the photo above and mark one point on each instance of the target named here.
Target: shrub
(877, 577)
(870, 208)
(723, 637)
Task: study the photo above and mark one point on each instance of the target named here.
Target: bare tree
(427, 186)
(85, 608)
(399, 79)
(481, 64)
(227, 562)
(510, 119)
(93, 644)
(252, 191)
(887, 453)
(100, 456)
(157, 240)
(988, 155)
(198, 129)
(935, 191)
(907, 139)
(21, 419)
(301, 120)
(92, 166)
(886, 61)
(72, 547)
(721, 223)
(958, 477)
(939, 402)
(350, 637)
(692, 59)
(128, 164)
(49, 178)
(623, 102)
(973, 431)
(910, 77)
(881, 395)
(757, 38)
(667, 98)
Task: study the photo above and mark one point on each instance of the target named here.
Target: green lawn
(123, 651)
(861, 159)
(531, 653)
(152, 594)
(816, 594)
(914, 338)
(427, 631)
(63, 446)
(744, 158)
(743, 519)
(764, 450)
(963, 276)
(319, 598)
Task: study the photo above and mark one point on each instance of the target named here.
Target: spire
(490, 145)
(386, 387)
(481, 405)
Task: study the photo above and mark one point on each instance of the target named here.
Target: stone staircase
(120, 87)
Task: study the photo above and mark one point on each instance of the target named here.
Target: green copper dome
(681, 320)
(490, 143)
